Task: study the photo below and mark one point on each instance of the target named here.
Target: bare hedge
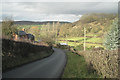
(104, 61)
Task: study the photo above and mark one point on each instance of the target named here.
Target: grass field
(72, 38)
(81, 41)
(77, 67)
(95, 40)
(90, 34)
(27, 26)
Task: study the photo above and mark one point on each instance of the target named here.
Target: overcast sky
(55, 11)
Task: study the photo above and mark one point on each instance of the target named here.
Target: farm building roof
(30, 35)
(21, 33)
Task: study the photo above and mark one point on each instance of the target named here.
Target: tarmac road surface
(50, 67)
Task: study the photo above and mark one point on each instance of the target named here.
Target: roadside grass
(77, 67)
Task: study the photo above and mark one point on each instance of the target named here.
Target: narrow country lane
(50, 67)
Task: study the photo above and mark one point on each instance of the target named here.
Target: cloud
(62, 11)
(60, 0)
(71, 8)
(62, 17)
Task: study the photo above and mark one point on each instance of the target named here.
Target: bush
(105, 62)
(48, 40)
(8, 27)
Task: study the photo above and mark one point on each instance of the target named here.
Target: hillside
(36, 23)
(95, 24)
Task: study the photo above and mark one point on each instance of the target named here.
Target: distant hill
(96, 24)
(37, 23)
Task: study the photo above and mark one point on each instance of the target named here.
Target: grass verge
(77, 68)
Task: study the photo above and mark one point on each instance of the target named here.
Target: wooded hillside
(96, 24)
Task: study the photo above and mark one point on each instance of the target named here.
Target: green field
(80, 40)
(27, 26)
(90, 34)
(77, 68)
(95, 40)
(72, 38)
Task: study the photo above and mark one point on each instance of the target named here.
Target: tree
(35, 31)
(8, 27)
(111, 39)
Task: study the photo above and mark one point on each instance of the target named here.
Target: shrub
(8, 27)
(105, 62)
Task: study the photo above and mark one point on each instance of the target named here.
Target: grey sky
(60, 0)
(53, 11)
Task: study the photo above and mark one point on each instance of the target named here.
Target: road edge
(60, 76)
(27, 63)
